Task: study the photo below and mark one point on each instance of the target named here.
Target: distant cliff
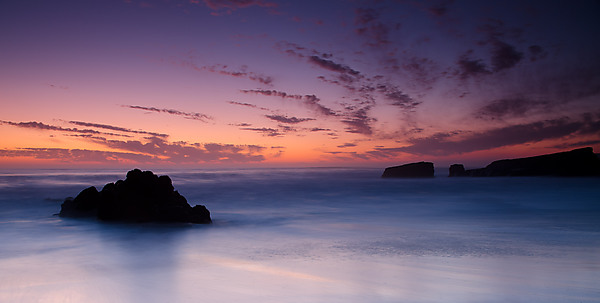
(411, 170)
(578, 162)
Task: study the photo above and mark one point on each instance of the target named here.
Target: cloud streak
(76, 155)
(509, 107)
(310, 101)
(222, 69)
(117, 128)
(180, 152)
(186, 115)
(247, 105)
(235, 4)
(447, 143)
(266, 131)
(288, 120)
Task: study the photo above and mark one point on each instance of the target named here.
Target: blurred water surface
(308, 235)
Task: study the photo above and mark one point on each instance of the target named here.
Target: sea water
(308, 235)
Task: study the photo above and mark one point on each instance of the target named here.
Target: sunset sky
(236, 83)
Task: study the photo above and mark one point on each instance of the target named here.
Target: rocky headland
(580, 162)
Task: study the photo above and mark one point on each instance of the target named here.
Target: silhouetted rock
(84, 205)
(142, 197)
(457, 170)
(411, 170)
(578, 162)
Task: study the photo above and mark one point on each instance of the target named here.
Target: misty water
(308, 235)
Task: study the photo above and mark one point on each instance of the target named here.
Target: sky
(267, 83)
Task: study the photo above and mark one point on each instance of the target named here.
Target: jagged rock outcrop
(141, 197)
(411, 170)
(575, 163)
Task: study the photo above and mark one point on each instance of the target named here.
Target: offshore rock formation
(411, 170)
(576, 163)
(142, 197)
(457, 170)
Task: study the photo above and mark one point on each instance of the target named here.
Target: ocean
(308, 235)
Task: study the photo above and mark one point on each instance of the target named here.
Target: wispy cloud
(310, 101)
(370, 27)
(76, 155)
(154, 148)
(449, 143)
(43, 126)
(333, 66)
(504, 56)
(509, 107)
(180, 152)
(398, 97)
(58, 86)
(266, 131)
(222, 69)
(247, 105)
(322, 60)
(318, 129)
(286, 119)
(86, 132)
(347, 145)
(358, 121)
(470, 67)
(234, 4)
(365, 91)
(242, 72)
(186, 115)
(117, 128)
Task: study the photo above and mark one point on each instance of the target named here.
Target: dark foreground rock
(576, 163)
(411, 170)
(142, 197)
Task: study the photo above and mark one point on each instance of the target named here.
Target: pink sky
(295, 83)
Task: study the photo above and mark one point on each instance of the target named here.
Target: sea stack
(411, 170)
(141, 197)
(457, 170)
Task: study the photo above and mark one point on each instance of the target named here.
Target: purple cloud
(235, 4)
(289, 120)
(440, 9)
(117, 128)
(446, 143)
(186, 115)
(332, 66)
(42, 126)
(515, 107)
(504, 56)
(347, 145)
(76, 155)
(241, 72)
(536, 52)
(269, 132)
(181, 152)
(377, 33)
(318, 129)
(397, 97)
(247, 105)
(358, 121)
(469, 67)
(310, 101)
